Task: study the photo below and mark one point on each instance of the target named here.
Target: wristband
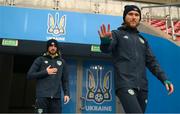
(105, 40)
(167, 82)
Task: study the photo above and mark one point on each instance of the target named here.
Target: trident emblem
(56, 26)
(98, 90)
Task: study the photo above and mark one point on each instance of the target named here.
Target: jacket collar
(48, 55)
(129, 29)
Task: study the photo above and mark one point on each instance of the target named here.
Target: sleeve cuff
(105, 40)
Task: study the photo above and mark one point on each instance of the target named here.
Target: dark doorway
(21, 98)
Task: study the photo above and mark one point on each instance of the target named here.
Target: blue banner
(98, 88)
(40, 25)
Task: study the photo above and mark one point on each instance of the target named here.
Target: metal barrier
(168, 12)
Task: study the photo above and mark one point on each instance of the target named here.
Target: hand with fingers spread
(103, 33)
(51, 70)
(105, 36)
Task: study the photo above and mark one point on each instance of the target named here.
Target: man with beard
(131, 55)
(51, 74)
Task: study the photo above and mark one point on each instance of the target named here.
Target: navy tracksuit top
(131, 55)
(49, 86)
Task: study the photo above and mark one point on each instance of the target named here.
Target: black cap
(52, 42)
(129, 8)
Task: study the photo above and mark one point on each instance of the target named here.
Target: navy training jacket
(49, 85)
(131, 55)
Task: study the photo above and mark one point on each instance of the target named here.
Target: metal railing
(168, 12)
(109, 7)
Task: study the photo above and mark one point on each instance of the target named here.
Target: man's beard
(52, 52)
(134, 25)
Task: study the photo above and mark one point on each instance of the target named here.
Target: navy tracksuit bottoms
(132, 100)
(48, 105)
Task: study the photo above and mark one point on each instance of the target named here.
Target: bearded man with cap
(131, 55)
(50, 72)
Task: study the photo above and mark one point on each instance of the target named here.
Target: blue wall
(168, 55)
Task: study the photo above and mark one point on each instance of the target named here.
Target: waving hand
(103, 33)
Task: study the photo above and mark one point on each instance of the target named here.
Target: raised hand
(103, 33)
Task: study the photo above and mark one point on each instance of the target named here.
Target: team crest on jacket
(46, 62)
(131, 92)
(126, 37)
(141, 40)
(59, 63)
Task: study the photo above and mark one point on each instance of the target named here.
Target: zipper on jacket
(136, 61)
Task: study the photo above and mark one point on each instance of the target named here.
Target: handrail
(167, 16)
(164, 5)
